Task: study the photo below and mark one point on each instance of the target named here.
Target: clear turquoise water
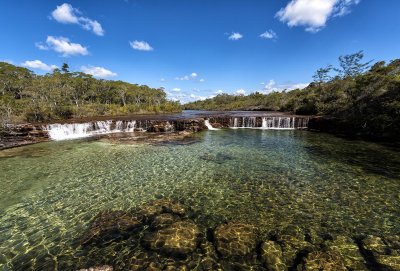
(49, 192)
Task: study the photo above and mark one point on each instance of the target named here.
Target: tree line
(26, 96)
(363, 95)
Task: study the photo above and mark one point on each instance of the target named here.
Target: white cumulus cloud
(235, 36)
(240, 92)
(176, 89)
(140, 45)
(38, 65)
(192, 76)
(313, 14)
(98, 72)
(272, 86)
(62, 45)
(67, 14)
(269, 34)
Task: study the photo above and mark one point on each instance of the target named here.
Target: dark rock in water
(374, 245)
(160, 206)
(109, 225)
(178, 239)
(163, 220)
(271, 256)
(384, 252)
(98, 268)
(161, 127)
(349, 252)
(176, 268)
(218, 158)
(327, 261)
(294, 245)
(144, 261)
(235, 239)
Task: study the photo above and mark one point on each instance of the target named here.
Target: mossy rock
(178, 239)
(235, 239)
(109, 225)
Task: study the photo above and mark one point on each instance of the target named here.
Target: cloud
(269, 34)
(67, 14)
(202, 80)
(271, 86)
(313, 14)
(98, 72)
(62, 45)
(140, 45)
(220, 91)
(192, 76)
(240, 92)
(235, 36)
(162, 80)
(38, 65)
(176, 89)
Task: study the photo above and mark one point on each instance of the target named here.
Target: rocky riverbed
(163, 236)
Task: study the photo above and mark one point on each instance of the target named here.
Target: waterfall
(67, 131)
(279, 123)
(271, 123)
(209, 126)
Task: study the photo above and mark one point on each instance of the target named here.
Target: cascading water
(80, 130)
(272, 123)
(209, 126)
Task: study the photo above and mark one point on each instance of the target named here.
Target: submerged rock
(163, 220)
(235, 239)
(349, 252)
(326, 261)
(271, 256)
(178, 239)
(160, 206)
(218, 158)
(385, 252)
(99, 268)
(294, 245)
(108, 225)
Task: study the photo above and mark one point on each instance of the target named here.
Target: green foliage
(368, 101)
(25, 96)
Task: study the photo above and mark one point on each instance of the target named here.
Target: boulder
(271, 256)
(108, 225)
(178, 239)
(99, 268)
(349, 252)
(293, 243)
(235, 239)
(385, 251)
(163, 220)
(157, 207)
(327, 261)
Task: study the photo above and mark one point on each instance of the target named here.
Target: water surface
(49, 192)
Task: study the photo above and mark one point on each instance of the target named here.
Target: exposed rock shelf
(22, 134)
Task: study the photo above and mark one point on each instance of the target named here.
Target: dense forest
(25, 96)
(359, 96)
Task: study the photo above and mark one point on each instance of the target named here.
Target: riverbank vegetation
(356, 95)
(25, 96)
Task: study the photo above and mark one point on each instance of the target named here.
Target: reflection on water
(50, 192)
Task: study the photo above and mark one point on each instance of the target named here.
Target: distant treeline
(25, 96)
(365, 96)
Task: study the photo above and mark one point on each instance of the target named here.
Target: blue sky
(196, 49)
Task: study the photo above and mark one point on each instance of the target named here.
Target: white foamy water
(209, 126)
(69, 131)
